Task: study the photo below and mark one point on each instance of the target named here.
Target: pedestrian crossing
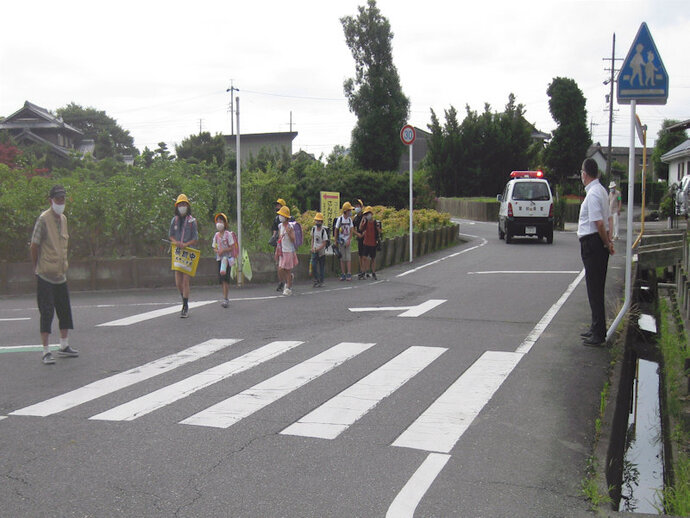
(437, 429)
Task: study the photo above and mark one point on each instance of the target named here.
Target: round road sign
(407, 134)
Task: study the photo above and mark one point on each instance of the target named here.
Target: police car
(526, 207)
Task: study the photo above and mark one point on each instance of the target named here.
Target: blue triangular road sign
(643, 77)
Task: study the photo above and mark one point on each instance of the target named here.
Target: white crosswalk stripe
(124, 379)
(228, 412)
(171, 393)
(336, 415)
(444, 422)
(436, 430)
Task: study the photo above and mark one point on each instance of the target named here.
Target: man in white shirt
(594, 233)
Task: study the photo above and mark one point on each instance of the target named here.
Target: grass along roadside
(673, 346)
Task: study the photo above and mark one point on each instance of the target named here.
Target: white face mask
(220, 227)
(58, 209)
(182, 209)
(282, 219)
(358, 210)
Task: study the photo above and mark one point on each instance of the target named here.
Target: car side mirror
(499, 197)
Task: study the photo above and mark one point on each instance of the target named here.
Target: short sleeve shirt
(595, 207)
(344, 226)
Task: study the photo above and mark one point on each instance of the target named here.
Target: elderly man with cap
(614, 207)
(49, 258)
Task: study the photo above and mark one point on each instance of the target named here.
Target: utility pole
(611, 82)
(232, 91)
(200, 121)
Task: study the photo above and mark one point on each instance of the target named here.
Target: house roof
(29, 135)
(262, 136)
(680, 151)
(31, 116)
(680, 126)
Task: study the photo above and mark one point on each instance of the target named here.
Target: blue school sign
(643, 77)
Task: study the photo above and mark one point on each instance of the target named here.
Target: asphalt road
(462, 391)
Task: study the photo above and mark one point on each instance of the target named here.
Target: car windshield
(531, 191)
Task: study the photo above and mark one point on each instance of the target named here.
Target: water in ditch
(643, 461)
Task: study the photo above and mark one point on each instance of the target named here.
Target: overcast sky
(161, 68)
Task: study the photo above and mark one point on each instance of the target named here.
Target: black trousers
(595, 258)
(53, 298)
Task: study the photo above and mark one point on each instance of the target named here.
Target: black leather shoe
(586, 334)
(593, 341)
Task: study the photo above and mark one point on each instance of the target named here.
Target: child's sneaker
(360, 276)
(342, 276)
(287, 292)
(373, 274)
(349, 276)
(48, 358)
(225, 303)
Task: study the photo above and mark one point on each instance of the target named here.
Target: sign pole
(239, 196)
(411, 207)
(408, 135)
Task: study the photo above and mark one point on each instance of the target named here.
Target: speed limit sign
(407, 134)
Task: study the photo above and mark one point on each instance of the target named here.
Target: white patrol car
(526, 207)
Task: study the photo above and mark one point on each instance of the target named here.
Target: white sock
(46, 349)
(64, 343)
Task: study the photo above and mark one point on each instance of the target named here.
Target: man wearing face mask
(49, 258)
(594, 233)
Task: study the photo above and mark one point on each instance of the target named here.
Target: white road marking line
(135, 319)
(422, 308)
(124, 379)
(230, 411)
(3, 417)
(571, 272)
(408, 311)
(14, 319)
(411, 494)
(340, 412)
(26, 348)
(444, 422)
(413, 270)
(171, 393)
(537, 331)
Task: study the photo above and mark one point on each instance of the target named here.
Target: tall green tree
(111, 140)
(568, 147)
(665, 142)
(202, 148)
(374, 95)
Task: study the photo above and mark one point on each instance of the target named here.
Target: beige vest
(52, 256)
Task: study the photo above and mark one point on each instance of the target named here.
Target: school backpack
(298, 233)
(235, 246)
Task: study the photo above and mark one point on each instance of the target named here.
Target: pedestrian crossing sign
(185, 260)
(643, 77)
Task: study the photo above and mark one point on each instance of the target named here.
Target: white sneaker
(287, 292)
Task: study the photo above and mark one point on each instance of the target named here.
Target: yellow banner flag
(185, 260)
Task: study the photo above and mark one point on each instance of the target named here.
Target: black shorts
(223, 277)
(360, 247)
(369, 251)
(53, 298)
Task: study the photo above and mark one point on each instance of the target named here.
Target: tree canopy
(568, 147)
(202, 148)
(474, 158)
(374, 95)
(111, 140)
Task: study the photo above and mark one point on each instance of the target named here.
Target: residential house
(620, 154)
(32, 124)
(678, 160)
